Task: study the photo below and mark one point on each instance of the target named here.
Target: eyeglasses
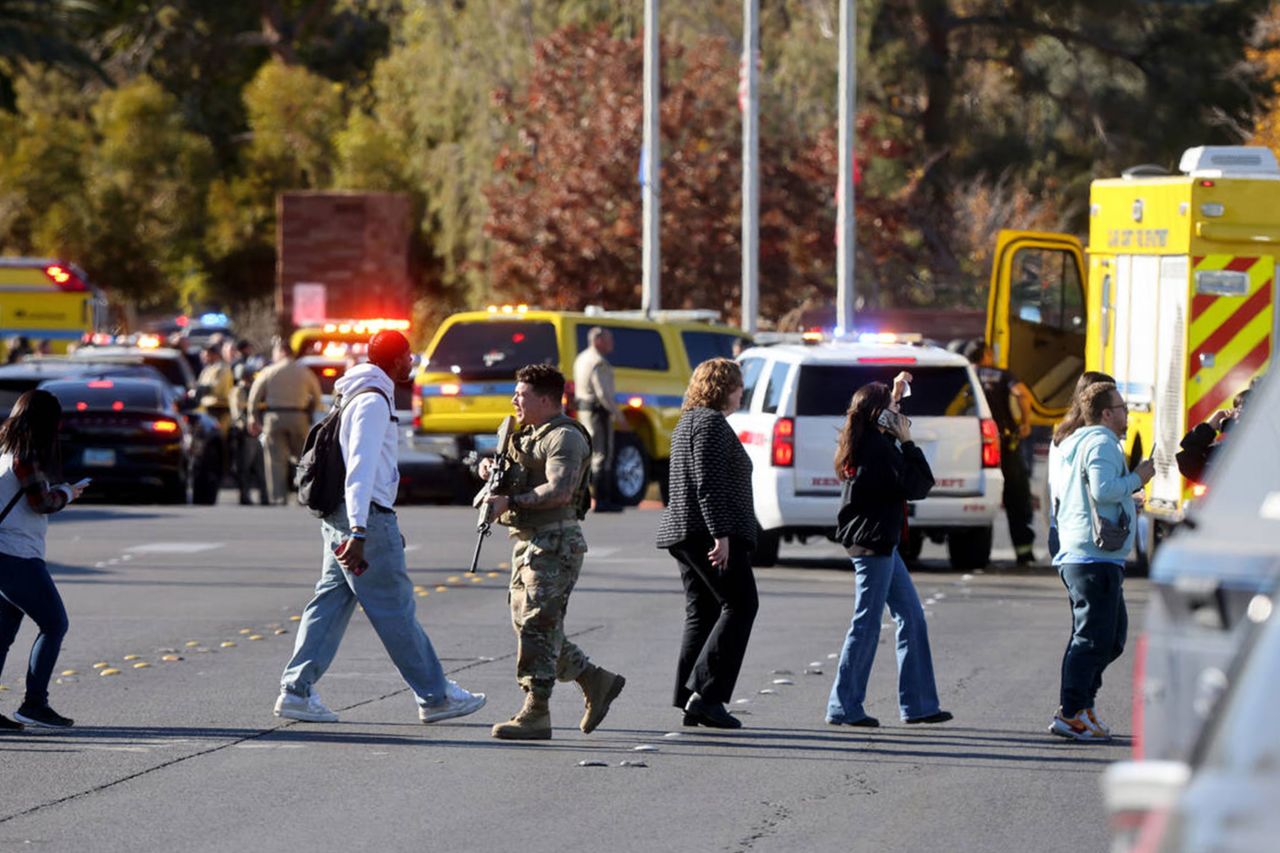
(1124, 406)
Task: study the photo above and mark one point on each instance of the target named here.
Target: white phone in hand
(82, 483)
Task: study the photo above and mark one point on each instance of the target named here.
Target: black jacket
(1198, 449)
(709, 493)
(874, 497)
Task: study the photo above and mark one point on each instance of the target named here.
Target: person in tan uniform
(215, 384)
(595, 393)
(284, 397)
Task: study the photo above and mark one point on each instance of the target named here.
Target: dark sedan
(128, 435)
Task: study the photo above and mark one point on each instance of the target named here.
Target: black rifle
(497, 471)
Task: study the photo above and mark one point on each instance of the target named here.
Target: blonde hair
(712, 383)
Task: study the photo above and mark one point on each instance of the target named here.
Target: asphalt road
(185, 754)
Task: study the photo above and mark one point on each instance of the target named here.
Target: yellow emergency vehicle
(1177, 302)
(42, 299)
(463, 388)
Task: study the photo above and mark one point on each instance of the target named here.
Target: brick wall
(354, 243)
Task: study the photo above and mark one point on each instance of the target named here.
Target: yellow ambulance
(1174, 298)
(46, 300)
(463, 388)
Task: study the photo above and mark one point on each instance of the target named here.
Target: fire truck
(1173, 297)
(42, 299)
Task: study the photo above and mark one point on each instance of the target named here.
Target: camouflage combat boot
(599, 688)
(532, 722)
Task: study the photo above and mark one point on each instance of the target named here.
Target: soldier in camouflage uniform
(543, 497)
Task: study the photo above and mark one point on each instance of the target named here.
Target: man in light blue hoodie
(1091, 469)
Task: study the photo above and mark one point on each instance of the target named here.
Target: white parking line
(173, 547)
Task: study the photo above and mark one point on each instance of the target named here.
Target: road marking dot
(4, 688)
(246, 630)
(494, 574)
(70, 672)
(171, 658)
(441, 588)
(255, 636)
(453, 579)
(422, 593)
(109, 671)
(141, 665)
(504, 565)
(280, 631)
(191, 644)
(101, 665)
(477, 580)
(295, 618)
(228, 644)
(132, 657)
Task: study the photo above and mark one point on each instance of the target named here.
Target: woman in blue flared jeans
(881, 469)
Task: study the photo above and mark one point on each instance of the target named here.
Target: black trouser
(1099, 624)
(1017, 497)
(718, 613)
(26, 588)
(600, 426)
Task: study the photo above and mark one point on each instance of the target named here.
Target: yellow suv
(463, 388)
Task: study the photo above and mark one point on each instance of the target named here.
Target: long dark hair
(1074, 418)
(31, 432)
(864, 408)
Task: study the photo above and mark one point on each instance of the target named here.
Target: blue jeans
(26, 588)
(385, 592)
(884, 580)
(1099, 622)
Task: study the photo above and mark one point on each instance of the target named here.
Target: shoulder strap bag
(1107, 534)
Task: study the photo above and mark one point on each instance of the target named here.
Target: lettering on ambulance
(1140, 238)
(1230, 336)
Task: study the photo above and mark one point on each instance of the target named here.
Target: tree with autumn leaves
(565, 204)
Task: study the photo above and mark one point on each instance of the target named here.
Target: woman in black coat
(881, 469)
(709, 526)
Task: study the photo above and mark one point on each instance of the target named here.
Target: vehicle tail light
(101, 383)
(570, 400)
(1139, 676)
(330, 371)
(783, 450)
(64, 277)
(417, 402)
(450, 389)
(1198, 490)
(990, 444)
(163, 427)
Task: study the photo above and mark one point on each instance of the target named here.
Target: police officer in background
(598, 407)
(215, 384)
(246, 451)
(1000, 387)
(544, 495)
(284, 397)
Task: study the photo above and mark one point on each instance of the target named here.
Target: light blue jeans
(385, 592)
(884, 580)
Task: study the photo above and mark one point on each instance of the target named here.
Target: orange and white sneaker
(1097, 723)
(1079, 727)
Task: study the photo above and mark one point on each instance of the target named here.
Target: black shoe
(608, 508)
(689, 720)
(8, 725)
(42, 718)
(865, 723)
(710, 714)
(940, 717)
(1027, 559)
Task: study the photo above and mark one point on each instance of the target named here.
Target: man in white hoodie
(1092, 476)
(364, 556)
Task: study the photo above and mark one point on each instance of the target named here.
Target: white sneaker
(1079, 727)
(1097, 723)
(306, 708)
(457, 703)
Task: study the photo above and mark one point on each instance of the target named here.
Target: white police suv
(793, 407)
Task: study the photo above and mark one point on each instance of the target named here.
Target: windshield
(825, 389)
(494, 350)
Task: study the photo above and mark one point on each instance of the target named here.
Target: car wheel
(969, 548)
(630, 471)
(767, 544)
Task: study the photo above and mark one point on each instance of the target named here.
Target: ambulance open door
(1036, 316)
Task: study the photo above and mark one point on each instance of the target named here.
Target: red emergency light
(64, 277)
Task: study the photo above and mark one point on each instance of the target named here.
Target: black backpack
(322, 472)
